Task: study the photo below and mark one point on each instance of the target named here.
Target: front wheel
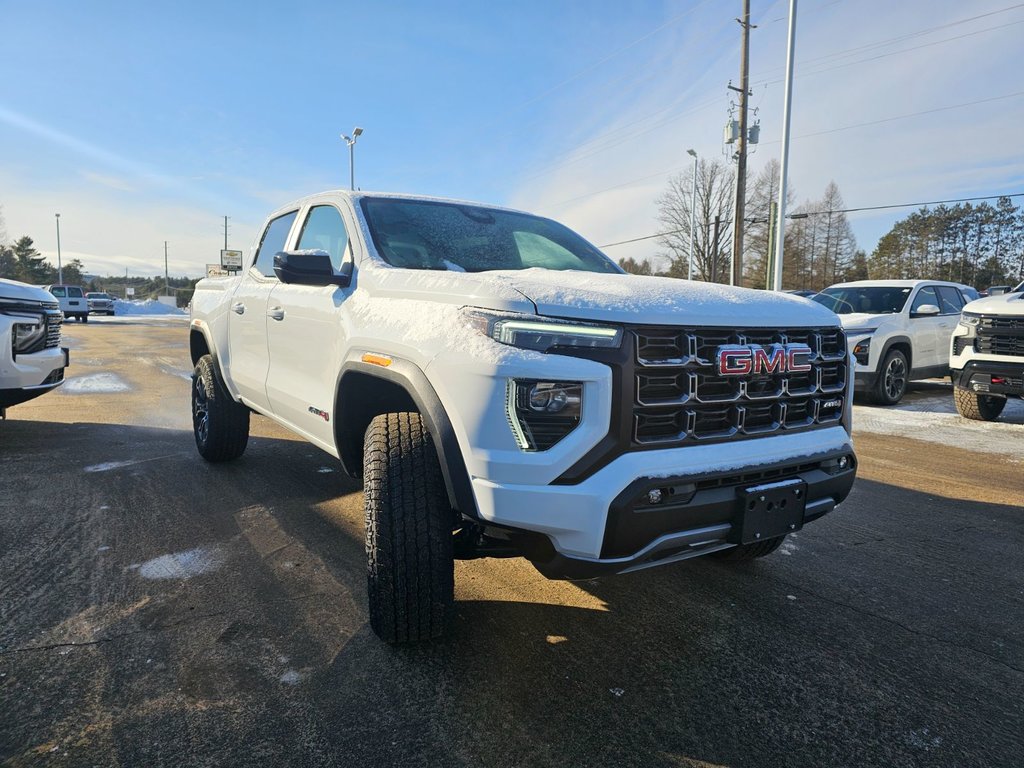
(972, 405)
(409, 522)
(221, 425)
(892, 379)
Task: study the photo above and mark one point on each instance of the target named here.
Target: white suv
(897, 331)
(32, 362)
(72, 301)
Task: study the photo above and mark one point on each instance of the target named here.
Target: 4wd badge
(755, 360)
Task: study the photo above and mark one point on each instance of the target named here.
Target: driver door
(925, 330)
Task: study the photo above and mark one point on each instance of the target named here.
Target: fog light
(541, 413)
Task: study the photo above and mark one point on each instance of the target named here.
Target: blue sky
(141, 123)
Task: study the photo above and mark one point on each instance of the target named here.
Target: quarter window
(274, 239)
(324, 230)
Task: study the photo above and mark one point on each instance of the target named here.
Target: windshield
(885, 300)
(1019, 288)
(420, 234)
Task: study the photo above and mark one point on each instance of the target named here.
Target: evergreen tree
(30, 266)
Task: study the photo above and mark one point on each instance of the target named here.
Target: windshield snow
(423, 234)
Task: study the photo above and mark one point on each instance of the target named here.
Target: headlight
(28, 333)
(971, 321)
(543, 334)
(861, 351)
(541, 413)
(859, 331)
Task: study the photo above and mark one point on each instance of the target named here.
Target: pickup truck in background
(503, 388)
(32, 361)
(986, 356)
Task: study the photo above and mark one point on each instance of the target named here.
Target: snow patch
(96, 384)
(180, 565)
(147, 307)
(107, 466)
(291, 677)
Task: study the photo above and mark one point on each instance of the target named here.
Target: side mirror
(925, 310)
(310, 268)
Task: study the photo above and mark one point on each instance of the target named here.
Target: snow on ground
(148, 307)
(96, 383)
(928, 413)
(180, 565)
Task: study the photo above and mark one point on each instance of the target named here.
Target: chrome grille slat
(681, 399)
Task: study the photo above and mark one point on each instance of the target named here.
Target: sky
(143, 123)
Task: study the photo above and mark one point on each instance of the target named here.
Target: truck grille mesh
(681, 399)
(1001, 336)
(53, 324)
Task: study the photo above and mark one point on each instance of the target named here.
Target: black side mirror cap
(312, 267)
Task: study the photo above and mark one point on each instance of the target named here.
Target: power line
(804, 214)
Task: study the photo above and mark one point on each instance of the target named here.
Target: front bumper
(991, 377)
(29, 376)
(600, 525)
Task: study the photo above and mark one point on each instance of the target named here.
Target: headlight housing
(850, 332)
(543, 334)
(541, 413)
(861, 351)
(28, 334)
(969, 320)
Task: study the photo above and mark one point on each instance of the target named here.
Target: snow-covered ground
(148, 307)
(928, 413)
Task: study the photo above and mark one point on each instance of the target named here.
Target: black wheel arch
(365, 391)
(904, 345)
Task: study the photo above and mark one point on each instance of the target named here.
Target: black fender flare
(350, 421)
(889, 344)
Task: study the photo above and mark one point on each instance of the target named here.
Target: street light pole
(693, 212)
(60, 268)
(787, 103)
(351, 141)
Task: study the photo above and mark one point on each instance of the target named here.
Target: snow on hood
(659, 300)
(12, 289)
(1004, 304)
(863, 319)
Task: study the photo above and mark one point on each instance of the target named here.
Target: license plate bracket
(769, 510)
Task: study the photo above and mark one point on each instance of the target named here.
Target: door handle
(275, 313)
(238, 308)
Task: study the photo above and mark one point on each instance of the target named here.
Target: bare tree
(762, 193)
(714, 199)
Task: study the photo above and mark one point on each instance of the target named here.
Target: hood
(1004, 304)
(864, 319)
(12, 289)
(627, 298)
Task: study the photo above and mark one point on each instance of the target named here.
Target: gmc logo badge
(755, 360)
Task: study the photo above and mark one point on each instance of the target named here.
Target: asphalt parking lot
(157, 610)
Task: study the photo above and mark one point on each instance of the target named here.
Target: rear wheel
(892, 379)
(743, 552)
(84, 318)
(409, 522)
(220, 425)
(972, 405)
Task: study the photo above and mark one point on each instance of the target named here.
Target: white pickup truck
(503, 388)
(32, 361)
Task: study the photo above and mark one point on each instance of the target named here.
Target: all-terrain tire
(220, 425)
(893, 377)
(972, 405)
(409, 522)
(743, 552)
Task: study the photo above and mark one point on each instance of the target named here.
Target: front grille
(1001, 336)
(53, 323)
(681, 399)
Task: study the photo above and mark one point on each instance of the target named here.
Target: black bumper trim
(1014, 372)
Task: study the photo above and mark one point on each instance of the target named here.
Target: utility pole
(167, 275)
(226, 233)
(741, 163)
(60, 269)
(693, 213)
(787, 104)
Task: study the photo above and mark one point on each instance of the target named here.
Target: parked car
(32, 362)
(897, 331)
(986, 356)
(802, 292)
(970, 294)
(503, 388)
(998, 290)
(72, 301)
(100, 303)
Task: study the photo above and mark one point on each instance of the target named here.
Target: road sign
(231, 260)
(129, 291)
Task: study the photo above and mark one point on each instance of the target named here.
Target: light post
(60, 269)
(351, 141)
(693, 211)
